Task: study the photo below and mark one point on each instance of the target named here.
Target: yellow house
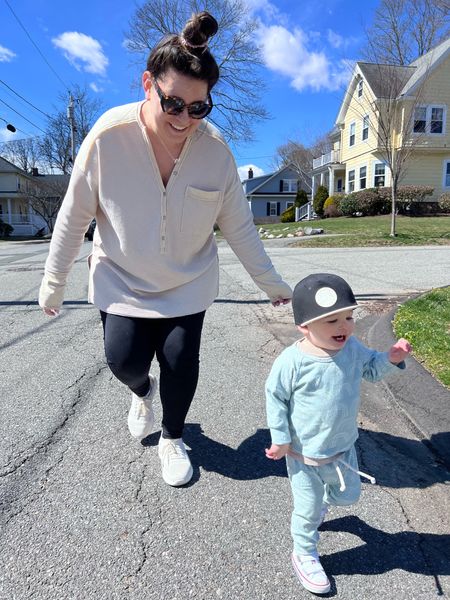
(392, 115)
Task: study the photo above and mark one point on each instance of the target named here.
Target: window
(446, 182)
(352, 134)
(420, 119)
(365, 128)
(289, 204)
(289, 185)
(437, 120)
(360, 88)
(380, 174)
(429, 119)
(362, 178)
(273, 209)
(351, 181)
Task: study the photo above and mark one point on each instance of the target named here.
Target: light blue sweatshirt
(312, 402)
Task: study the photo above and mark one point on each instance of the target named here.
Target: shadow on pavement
(395, 462)
(247, 462)
(398, 462)
(424, 553)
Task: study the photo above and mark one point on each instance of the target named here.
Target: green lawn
(369, 231)
(425, 323)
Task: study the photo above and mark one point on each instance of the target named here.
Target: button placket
(163, 222)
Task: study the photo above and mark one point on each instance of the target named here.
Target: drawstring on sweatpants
(341, 478)
(317, 462)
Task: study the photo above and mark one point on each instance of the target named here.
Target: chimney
(250, 173)
(35, 172)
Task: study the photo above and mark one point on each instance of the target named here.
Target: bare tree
(24, 153)
(46, 195)
(297, 154)
(56, 142)
(238, 92)
(322, 144)
(403, 30)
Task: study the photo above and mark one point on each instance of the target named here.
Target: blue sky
(307, 46)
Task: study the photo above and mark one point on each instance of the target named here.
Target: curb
(424, 401)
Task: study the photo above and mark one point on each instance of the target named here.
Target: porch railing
(326, 159)
(305, 212)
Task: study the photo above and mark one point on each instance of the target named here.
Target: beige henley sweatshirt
(154, 252)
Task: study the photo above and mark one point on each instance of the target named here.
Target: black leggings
(131, 344)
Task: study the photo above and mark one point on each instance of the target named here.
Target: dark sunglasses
(172, 105)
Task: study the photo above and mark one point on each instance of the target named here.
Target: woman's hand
(51, 312)
(281, 302)
(277, 451)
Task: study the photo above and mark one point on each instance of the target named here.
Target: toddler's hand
(275, 452)
(399, 351)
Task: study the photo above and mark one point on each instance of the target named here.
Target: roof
(8, 167)
(424, 63)
(270, 176)
(387, 81)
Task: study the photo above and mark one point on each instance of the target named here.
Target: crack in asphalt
(33, 456)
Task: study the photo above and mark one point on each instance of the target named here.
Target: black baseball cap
(319, 295)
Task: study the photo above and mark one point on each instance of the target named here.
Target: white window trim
(428, 108)
(367, 176)
(273, 205)
(444, 174)
(292, 185)
(387, 181)
(364, 128)
(348, 181)
(350, 145)
(360, 88)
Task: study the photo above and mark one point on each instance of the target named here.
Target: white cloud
(287, 53)
(80, 48)
(336, 40)
(243, 171)
(95, 88)
(6, 55)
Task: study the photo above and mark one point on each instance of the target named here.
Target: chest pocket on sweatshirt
(199, 212)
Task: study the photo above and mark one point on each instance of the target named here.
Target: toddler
(312, 396)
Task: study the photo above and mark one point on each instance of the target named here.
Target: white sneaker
(175, 463)
(310, 572)
(140, 417)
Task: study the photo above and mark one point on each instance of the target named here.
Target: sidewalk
(422, 400)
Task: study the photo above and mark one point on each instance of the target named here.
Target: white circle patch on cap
(326, 297)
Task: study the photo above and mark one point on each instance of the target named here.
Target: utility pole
(71, 118)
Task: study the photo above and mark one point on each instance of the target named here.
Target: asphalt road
(84, 512)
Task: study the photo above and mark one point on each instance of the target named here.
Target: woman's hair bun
(197, 31)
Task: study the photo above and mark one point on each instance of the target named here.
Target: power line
(25, 100)
(35, 45)
(20, 115)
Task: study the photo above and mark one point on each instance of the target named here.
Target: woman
(156, 177)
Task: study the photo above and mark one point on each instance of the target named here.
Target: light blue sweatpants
(314, 486)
